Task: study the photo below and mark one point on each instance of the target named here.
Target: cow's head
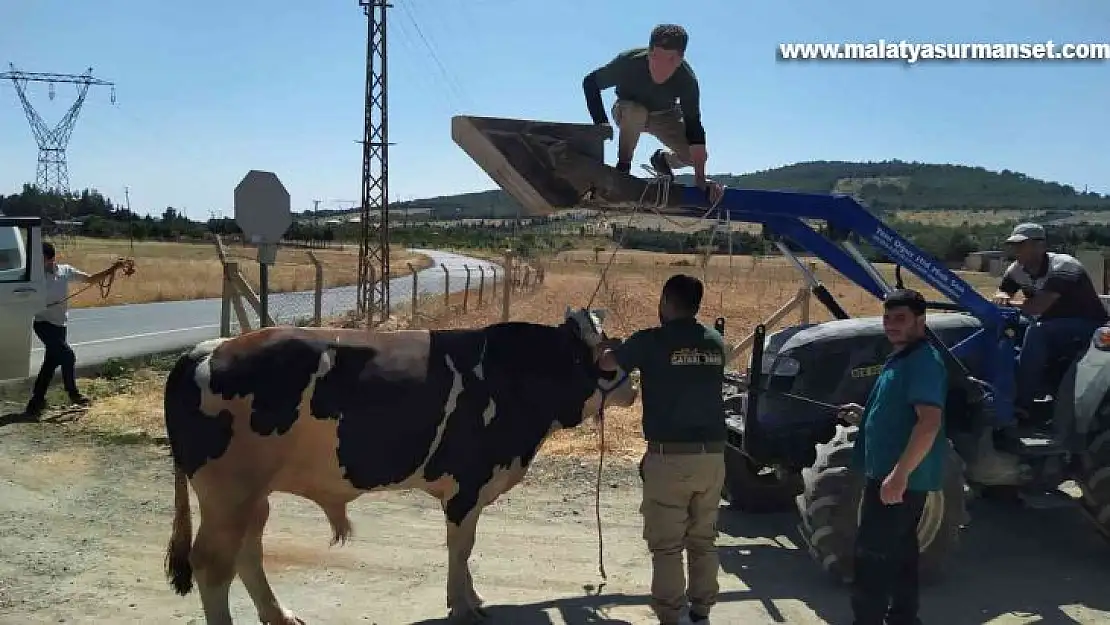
(613, 387)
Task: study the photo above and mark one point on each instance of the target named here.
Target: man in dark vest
(681, 365)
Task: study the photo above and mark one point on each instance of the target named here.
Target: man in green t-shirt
(681, 365)
(657, 93)
(900, 448)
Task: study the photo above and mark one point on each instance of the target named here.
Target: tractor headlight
(1102, 338)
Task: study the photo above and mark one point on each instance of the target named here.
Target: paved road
(97, 334)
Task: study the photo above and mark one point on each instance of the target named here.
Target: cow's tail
(180, 389)
(179, 571)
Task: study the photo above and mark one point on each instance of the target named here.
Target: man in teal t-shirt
(901, 449)
(681, 365)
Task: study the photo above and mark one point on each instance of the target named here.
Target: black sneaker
(79, 400)
(659, 164)
(34, 409)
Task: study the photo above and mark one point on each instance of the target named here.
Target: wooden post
(228, 293)
(252, 298)
(771, 321)
(232, 279)
(506, 285)
(226, 302)
(414, 291)
(466, 290)
(318, 295)
(481, 284)
(493, 282)
(446, 288)
(804, 305)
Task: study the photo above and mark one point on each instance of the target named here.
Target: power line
(447, 76)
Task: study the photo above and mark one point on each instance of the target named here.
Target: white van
(22, 292)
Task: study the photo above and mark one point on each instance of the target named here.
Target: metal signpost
(262, 212)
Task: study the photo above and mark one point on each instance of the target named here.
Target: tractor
(787, 448)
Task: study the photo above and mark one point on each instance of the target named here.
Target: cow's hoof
(476, 600)
(286, 618)
(467, 616)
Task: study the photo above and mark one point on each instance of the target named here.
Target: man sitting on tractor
(657, 93)
(1058, 293)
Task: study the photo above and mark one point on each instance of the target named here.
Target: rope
(662, 184)
(597, 493)
(104, 283)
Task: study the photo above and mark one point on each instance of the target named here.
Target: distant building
(985, 261)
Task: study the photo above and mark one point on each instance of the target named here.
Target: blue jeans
(1041, 338)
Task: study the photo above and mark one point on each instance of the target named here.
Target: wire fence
(305, 290)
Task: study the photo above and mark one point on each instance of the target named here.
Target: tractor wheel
(831, 502)
(1094, 481)
(748, 486)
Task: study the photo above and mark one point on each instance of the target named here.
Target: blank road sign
(262, 207)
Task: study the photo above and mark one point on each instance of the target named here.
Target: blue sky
(208, 90)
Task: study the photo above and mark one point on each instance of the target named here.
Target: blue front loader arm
(783, 212)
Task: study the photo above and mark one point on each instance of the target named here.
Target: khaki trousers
(634, 119)
(682, 494)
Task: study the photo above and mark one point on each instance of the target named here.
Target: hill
(884, 186)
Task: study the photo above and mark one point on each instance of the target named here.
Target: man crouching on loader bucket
(901, 448)
(657, 93)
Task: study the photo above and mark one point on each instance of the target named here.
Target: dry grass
(985, 217)
(744, 295)
(181, 271)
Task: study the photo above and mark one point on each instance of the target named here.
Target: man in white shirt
(50, 326)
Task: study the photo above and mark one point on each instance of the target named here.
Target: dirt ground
(83, 527)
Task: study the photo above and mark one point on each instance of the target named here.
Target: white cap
(1025, 232)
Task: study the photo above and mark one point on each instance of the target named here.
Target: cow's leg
(463, 602)
(219, 539)
(251, 573)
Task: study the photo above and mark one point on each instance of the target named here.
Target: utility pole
(52, 173)
(373, 263)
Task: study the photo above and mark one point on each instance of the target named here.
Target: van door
(22, 292)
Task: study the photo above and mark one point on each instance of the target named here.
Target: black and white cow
(331, 414)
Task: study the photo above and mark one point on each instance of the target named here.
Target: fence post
(226, 300)
(446, 288)
(481, 284)
(466, 290)
(233, 280)
(228, 290)
(493, 282)
(506, 285)
(318, 295)
(804, 306)
(415, 289)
